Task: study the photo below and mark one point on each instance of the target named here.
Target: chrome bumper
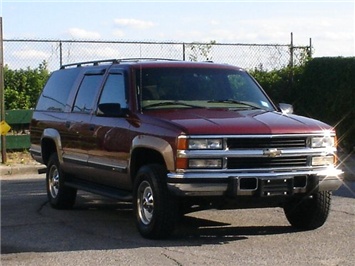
(249, 184)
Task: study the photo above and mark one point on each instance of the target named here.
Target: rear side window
(85, 98)
(55, 94)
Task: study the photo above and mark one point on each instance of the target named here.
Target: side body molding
(157, 144)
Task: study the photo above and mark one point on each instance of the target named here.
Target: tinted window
(114, 90)
(201, 87)
(56, 92)
(84, 101)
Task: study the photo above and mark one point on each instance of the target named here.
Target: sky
(329, 24)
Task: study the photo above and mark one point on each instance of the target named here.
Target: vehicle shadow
(197, 228)
(188, 226)
(347, 190)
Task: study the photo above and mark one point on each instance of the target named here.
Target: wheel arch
(150, 150)
(51, 142)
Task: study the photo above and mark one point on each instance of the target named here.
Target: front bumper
(254, 184)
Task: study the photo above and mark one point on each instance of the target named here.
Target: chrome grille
(266, 162)
(267, 143)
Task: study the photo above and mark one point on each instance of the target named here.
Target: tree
(201, 50)
(22, 87)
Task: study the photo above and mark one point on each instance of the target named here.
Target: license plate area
(276, 187)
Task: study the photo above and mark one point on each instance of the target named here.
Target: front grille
(266, 162)
(267, 143)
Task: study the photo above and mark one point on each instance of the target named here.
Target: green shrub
(278, 84)
(323, 88)
(326, 91)
(22, 87)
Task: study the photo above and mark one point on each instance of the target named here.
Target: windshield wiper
(234, 102)
(171, 103)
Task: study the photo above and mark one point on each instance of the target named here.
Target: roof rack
(115, 61)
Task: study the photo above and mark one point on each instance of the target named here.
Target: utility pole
(2, 97)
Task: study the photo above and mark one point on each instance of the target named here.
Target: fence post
(310, 48)
(60, 54)
(291, 51)
(290, 89)
(183, 52)
(2, 95)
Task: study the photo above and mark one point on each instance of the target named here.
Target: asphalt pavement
(102, 231)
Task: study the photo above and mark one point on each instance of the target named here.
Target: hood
(224, 122)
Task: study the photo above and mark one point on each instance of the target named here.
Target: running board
(102, 190)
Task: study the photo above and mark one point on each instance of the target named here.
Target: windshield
(199, 88)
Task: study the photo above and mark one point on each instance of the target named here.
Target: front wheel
(155, 208)
(309, 213)
(59, 195)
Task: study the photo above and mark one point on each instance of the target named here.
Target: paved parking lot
(102, 231)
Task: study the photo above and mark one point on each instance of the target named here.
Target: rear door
(78, 141)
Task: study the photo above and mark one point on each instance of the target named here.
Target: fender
(157, 144)
(53, 134)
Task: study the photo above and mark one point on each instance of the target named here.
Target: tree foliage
(326, 91)
(199, 50)
(279, 84)
(22, 87)
(322, 88)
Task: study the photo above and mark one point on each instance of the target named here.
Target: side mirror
(286, 108)
(110, 110)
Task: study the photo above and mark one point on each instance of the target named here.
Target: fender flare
(53, 134)
(157, 144)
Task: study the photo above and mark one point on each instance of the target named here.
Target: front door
(110, 136)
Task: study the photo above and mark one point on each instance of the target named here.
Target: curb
(8, 171)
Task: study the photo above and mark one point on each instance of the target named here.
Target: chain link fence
(21, 54)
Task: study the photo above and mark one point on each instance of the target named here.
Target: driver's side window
(114, 91)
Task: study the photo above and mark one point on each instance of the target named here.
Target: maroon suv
(175, 137)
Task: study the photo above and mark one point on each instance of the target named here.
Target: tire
(59, 195)
(155, 208)
(309, 213)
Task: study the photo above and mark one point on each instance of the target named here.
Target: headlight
(323, 142)
(205, 144)
(191, 150)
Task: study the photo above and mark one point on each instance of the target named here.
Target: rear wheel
(155, 208)
(59, 195)
(309, 213)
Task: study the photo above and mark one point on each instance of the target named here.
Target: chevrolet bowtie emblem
(272, 152)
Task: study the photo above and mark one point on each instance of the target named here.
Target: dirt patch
(19, 157)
